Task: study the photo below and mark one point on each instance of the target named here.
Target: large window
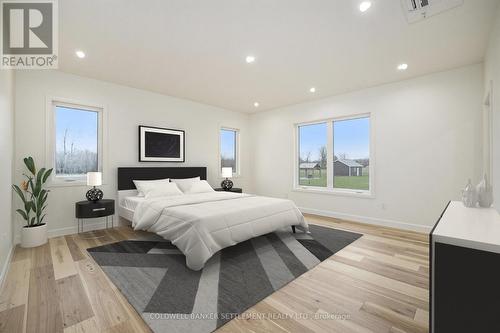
(313, 155)
(229, 149)
(334, 155)
(76, 141)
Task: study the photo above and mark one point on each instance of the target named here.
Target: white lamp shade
(94, 178)
(227, 172)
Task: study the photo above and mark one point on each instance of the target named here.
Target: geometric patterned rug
(153, 276)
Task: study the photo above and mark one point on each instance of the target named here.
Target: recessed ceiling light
(80, 54)
(313, 90)
(256, 104)
(364, 6)
(402, 67)
(249, 59)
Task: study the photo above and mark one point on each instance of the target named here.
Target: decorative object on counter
(94, 179)
(34, 198)
(227, 184)
(469, 195)
(485, 193)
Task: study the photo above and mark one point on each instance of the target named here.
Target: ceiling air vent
(417, 10)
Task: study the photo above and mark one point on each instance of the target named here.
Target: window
(334, 155)
(76, 141)
(229, 149)
(312, 155)
(351, 151)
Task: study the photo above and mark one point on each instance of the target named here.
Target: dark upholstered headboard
(127, 175)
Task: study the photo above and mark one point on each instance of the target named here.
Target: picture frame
(158, 144)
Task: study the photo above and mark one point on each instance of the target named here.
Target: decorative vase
(469, 195)
(34, 236)
(226, 184)
(485, 193)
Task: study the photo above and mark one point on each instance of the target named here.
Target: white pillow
(166, 190)
(185, 184)
(144, 186)
(199, 187)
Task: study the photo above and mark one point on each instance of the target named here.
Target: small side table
(234, 190)
(90, 210)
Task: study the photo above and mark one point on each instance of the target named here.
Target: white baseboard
(5, 267)
(74, 229)
(87, 226)
(368, 220)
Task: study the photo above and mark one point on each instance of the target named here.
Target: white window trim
(330, 190)
(238, 158)
(50, 139)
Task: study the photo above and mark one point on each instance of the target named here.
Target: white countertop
(475, 228)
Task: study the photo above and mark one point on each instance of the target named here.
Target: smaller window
(229, 149)
(77, 141)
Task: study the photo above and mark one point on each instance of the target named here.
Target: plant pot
(34, 236)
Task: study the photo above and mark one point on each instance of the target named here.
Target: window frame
(50, 151)
(237, 150)
(329, 189)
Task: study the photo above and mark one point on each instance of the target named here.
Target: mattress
(132, 202)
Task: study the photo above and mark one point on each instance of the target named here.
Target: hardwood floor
(379, 283)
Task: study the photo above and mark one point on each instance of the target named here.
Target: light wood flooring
(379, 283)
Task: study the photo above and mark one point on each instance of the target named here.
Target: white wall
(126, 109)
(492, 79)
(6, 153)
(428, 142)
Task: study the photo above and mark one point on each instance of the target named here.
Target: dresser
(465, 270)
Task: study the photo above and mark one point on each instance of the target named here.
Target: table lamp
(227, 184)
(94, 179)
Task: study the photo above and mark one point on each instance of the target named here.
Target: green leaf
(37, 207)
(30, 164)
(32, 221)
(19, 192)
(23, 214)
(27, 206)
(41, 220)
(31, 185)
(37, 189)
(42, 197)
(46, 175)
(39, 175)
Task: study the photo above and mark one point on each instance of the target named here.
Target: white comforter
(202, 224)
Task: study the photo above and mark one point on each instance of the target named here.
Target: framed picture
(161, 144)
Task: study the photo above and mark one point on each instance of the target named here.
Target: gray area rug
(153, 276)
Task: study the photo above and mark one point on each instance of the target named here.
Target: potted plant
(34, 198)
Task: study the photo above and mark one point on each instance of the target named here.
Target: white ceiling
(196, 49)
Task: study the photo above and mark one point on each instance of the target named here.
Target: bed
(201, 224)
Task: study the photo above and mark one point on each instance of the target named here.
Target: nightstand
(90, 210)
(234, 190)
